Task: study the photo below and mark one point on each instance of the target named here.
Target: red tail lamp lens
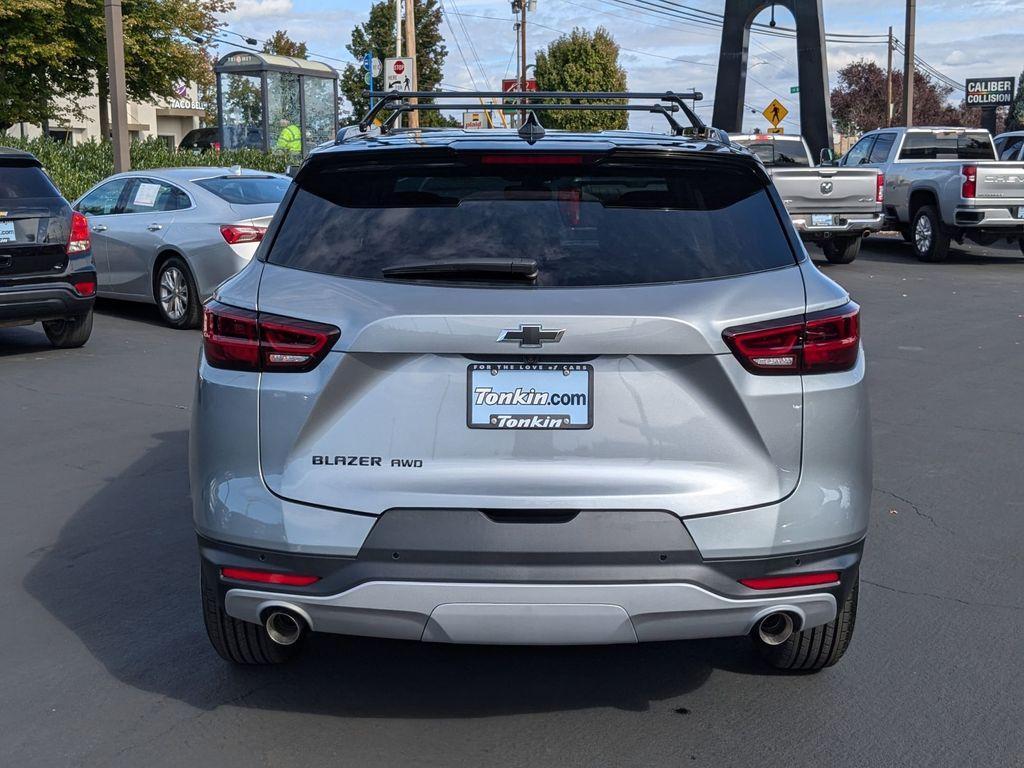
(822, 342)
(244, 340)
(85, 287)
(268, 577)
(78, 239)
(970, 186)
(880, 188)
(234, 234)
(794, 580)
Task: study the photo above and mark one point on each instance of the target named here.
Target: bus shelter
(273, 102)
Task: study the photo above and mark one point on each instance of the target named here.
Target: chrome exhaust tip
(775, 628)
(284, 627)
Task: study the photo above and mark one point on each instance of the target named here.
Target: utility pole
(398, 49)
(410, 50)
(115, 76)
(888, 86)
(522, 45)
(908, 64)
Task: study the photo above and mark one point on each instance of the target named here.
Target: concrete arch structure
(815, 109)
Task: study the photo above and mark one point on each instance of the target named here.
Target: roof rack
(666, 104)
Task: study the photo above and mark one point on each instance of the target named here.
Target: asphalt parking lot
(105, 661)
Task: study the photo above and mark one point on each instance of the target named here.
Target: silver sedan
(170, 236)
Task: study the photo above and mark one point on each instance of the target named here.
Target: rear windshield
(584, 225)
(18, 181)
(947, 145)
(778, 154)
(246, 190)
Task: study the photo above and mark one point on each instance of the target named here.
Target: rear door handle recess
(155, 227)
(99, 228)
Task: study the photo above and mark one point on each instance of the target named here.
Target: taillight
(880, 188)
(244, 340)
(793, 580)
(78, 240)
(85, 287)
(970, 186)
(821, 342)
(268, 577)
(241, 233)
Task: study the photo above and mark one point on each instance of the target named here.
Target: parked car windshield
(947, 145)
(246, 190)
(778, 153)
(18, 181)
(583, 224)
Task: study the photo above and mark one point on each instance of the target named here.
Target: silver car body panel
(129, 245)
(529, 614)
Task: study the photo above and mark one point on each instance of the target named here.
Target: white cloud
(959, 58)
(255, 9)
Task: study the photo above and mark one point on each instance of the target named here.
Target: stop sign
(399, 67)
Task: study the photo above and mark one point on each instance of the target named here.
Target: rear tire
(930, 240)
(176, 295)
(239, 641)
(841, 250)
(816, 648)
(69, 333)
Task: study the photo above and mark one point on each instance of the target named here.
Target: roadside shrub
(76, 167)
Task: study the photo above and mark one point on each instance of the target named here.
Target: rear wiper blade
(524, 269)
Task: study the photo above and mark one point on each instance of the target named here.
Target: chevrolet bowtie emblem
(531, 335)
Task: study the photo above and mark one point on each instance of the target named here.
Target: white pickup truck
(834, 207)
(944, 184)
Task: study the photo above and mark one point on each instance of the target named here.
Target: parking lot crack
(917, 510)
(971, 603)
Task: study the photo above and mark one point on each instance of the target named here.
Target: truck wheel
(816, 648)
(841, 250)
(931, 243)
(71, 333)
(239, 641)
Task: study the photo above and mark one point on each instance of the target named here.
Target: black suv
(46, 269)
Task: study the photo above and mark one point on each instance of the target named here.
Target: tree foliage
(859, 100)
(281, 45)
(1015, 118)
(582, 61)
(377, 35)
(51, 49)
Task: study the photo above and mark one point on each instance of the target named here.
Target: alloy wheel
(173, 293)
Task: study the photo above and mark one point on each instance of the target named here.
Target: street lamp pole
(116, 79)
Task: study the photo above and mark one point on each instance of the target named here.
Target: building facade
(166, 119)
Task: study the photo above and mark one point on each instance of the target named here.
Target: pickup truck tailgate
(1000, 181)
(823, 190)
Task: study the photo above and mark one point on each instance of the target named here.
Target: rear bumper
(530, 596)
(1002, 218)
(48, 301)
(848, 224)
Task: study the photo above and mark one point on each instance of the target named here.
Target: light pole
(116, 80)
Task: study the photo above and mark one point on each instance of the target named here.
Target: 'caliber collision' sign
(989, 91)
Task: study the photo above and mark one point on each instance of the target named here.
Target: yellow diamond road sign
(775, 113)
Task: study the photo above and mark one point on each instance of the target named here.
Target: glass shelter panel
(242, 110)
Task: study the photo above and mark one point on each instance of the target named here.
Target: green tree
(1015, 118)
(581, 61)
(280, 44)
(377, 35)
(35, 69)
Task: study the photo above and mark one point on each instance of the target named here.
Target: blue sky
(976, 39)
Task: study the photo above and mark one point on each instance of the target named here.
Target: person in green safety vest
(290, 138)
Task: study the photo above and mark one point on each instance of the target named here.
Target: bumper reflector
(793, 580)
(268, 577)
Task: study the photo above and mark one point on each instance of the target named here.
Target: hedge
(76, 167)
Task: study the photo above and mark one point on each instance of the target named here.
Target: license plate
(6, 231)
(530, 396)
(822, 219)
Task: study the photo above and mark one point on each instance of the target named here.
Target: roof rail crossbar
(669, 102)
